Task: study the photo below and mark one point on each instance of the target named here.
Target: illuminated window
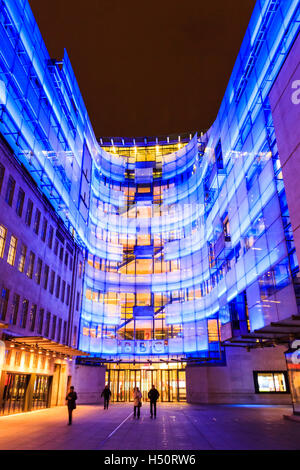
(271, 382)
(12, 250)
(3, 233)
(22, 258)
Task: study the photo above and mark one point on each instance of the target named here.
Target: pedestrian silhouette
(71, 403)
(137, 402)
(106, 393)
(153, 395)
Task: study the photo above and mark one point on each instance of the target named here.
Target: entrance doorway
(15, 386)
(170, 382)
(40, 396)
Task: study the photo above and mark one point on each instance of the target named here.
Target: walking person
(153, 395)
(106, 393)
(137, 402)
(71, 403)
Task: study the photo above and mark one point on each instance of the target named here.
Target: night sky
(151, 67)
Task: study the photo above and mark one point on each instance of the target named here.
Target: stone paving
(177, 427)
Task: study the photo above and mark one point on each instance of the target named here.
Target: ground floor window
(271, 382)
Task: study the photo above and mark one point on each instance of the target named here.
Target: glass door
(181, 385)
(121, 386)
(40, 394)
(15, 387)
(165, 396)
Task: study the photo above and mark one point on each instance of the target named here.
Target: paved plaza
(177, 427)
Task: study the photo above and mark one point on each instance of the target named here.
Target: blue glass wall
(188, 240)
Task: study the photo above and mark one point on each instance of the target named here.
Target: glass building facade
(187, 239)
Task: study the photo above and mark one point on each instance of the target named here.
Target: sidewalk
(177, 427)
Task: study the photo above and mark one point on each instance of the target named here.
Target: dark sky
(147, 67)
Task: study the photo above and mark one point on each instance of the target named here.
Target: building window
(22, 258)
(3, 302)
(46, 276)
(40, 321)
(64, 340)
(56, 245)
(52, 281)
(59, 330)
(61, 253)
(50, 237)
(271, 382)
(68, 294)
(20, 202)
(53, 331)
(44, 229)
(71, 263)
(47, 324)
(38, 272)
(3, 233)
(14, 309)
(24, 313)
(10, 190)
(12, 250)
(66, 258)
(63, 290)
(2, 171)
(219, 156)
(32, 317)
(37, 219)
(29, 210)
(31, 265)
(74, 337)
(57, 291)
(80, 269)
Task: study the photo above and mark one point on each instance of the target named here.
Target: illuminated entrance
(168, 379)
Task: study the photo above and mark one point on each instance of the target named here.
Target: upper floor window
(40, 321)
(31, 265)
(14, 309)
(37, 219)
(29, 210)
(24, 313)
(50, 237)
(52, 280)
(32, 317)
(38, 272)
(20, 202)
(219, 156)
(3, 302)
(3, 233)
(2, 171)
(10, 189)
(12, 250)
(47, 324)
(44, 229)
(22, 258)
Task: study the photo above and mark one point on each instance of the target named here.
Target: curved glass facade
(188, 240)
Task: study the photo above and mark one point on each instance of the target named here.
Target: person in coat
(153, 395)
(106, 393)
(137, 402)
(71, 403)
